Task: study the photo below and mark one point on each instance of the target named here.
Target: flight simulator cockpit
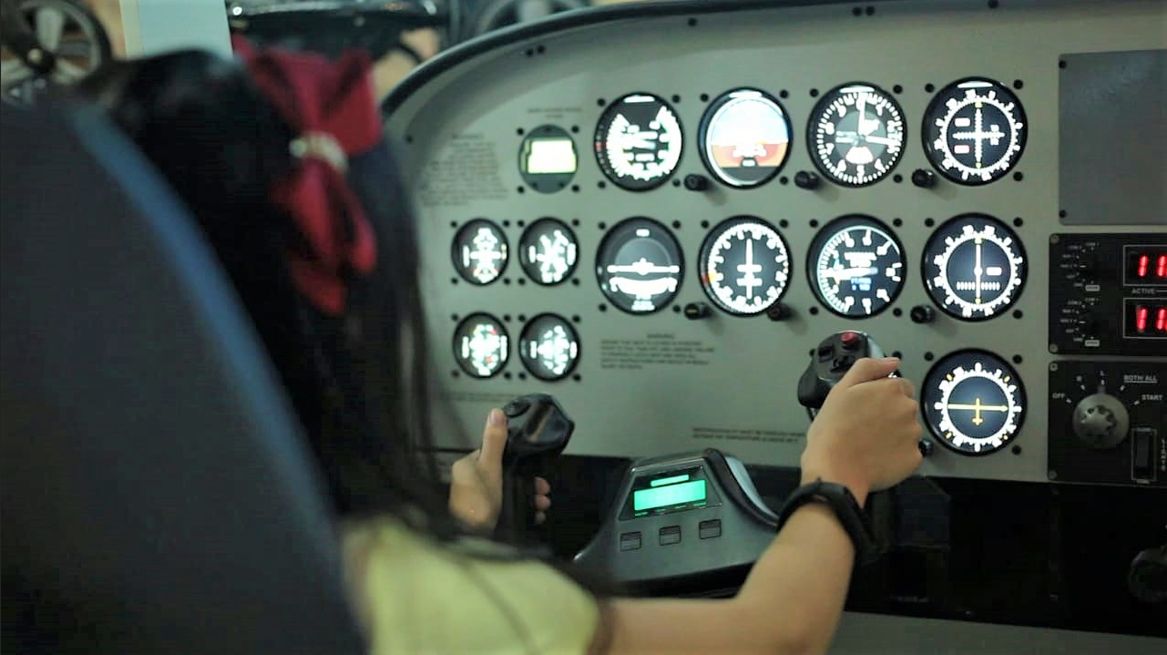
(658, 234)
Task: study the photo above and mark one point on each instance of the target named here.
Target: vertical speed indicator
(856, 134)
(856, 266)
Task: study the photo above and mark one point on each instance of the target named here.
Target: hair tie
(331, 106)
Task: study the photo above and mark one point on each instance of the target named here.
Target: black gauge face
(639, 266)
(745, 266)
(745, 137)
(549, 347)
(856, 266)
(638, 142)
(856, 134)
(481, 345)
(974, 267)
(973, 402)
(547, 159)
(479, 252)
(548, 251)
(974, 131)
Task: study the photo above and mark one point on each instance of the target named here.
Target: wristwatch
(854, 520)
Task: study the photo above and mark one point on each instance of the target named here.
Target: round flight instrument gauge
(856, 266)
(548, 251)
(745, 138)
(549, 347)
(638, 142)
(479, 252)
(481, 345)
(856, 134)
(974, 131)
(745, 266)
(974, 267)
(973, 402)
(639, 266)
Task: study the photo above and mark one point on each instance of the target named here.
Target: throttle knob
(1101, 421)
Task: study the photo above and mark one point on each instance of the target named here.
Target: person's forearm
(799, 584)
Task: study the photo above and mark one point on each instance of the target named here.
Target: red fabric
(315, 95)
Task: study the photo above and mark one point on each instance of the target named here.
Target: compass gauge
(974, 267)
(745, 138)
(638, 142)
(481, 345)
(549, 347)
(479, 252)
(745, 266)
(548, 251)
(639, 266)
(856, 134)
(973, 402)
(856, 266)
(974, 131)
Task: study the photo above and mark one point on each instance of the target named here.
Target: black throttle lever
(537, 432)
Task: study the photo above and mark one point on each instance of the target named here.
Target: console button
(670, 535)
(709, 529)
(630, 541)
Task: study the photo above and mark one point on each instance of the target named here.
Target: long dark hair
(358, 382)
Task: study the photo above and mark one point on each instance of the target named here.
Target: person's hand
(476, 481)
(865, 436)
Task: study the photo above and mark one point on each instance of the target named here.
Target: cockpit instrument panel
(764, 175)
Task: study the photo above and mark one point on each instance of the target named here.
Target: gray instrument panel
(659, 383)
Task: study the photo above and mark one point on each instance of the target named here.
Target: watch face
(638, 142)
(745, 138)
(856, 266)
(856, 134)
(974, 131)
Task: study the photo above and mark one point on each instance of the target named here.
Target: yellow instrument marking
(977, 408)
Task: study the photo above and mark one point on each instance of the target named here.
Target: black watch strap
(852, 517)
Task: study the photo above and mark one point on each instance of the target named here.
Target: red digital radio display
(1146, 265)
(1145, 319)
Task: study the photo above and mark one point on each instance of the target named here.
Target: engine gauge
(481, 345)
(479, 252)
(745, 138)
(974, 267)
(856, 266)
(639, 266)
(973, 402)
(549, 347)
(856, 134)
(548, 251)
(974, 131)
(745, 266)
(638, 142)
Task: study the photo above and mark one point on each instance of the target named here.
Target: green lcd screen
(668, 496)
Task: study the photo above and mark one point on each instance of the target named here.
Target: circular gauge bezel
(546, 182)
(822, 103)
(940, 367)
(820, 239)
(930, 288)
(930, 153)
(712, 110)
(680, 263)
(462, 364)
(707, 246)
(523, 350)
(455, 254)
(601, 149)
(523, 262)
